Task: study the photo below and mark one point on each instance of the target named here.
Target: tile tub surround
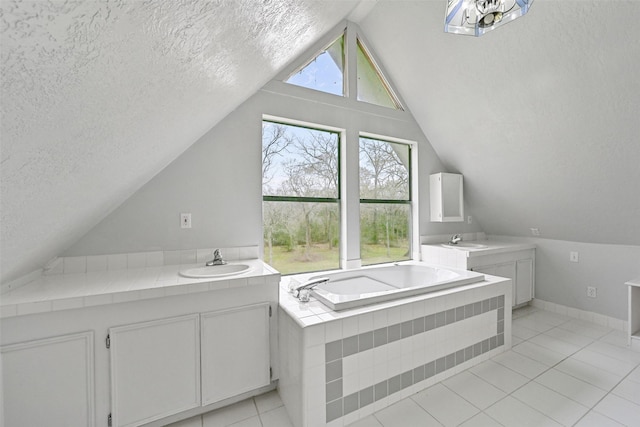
(77, 290)
(339, 367)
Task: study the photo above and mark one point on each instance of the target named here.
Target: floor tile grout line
(548, 368)
(589, 409)
(255, 405)
(599, 413)
(510, 394)
(593, 408)
(625, 348)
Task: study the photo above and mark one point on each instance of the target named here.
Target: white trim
(302, 60)
(20, 281)
(302, 123)
(377, 65)
(589, 316)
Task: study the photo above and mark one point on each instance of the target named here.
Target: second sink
(215, 271)
(465, 245)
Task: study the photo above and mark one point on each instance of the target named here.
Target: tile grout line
(510, 394)
(608, 392)
(548, 368)
(484, 306)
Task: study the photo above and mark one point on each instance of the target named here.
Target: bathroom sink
(465, 245)
(215, 271)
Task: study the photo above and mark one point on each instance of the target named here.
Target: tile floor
(265, 410)
(561, 371)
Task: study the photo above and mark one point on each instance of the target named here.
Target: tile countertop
(67, 291)
(492, 247)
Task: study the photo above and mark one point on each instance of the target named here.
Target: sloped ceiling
(540, 115)
(99, 96)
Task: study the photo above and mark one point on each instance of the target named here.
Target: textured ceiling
(540, 115)
(99, 96)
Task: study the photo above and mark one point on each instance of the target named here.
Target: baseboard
(589, 316)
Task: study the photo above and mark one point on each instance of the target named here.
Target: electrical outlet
(185, 220)
(535, 231)
(573, 256)
(469, 219)
(592, 292)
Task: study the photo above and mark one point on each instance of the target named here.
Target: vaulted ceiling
(98, 97)
(540, 115)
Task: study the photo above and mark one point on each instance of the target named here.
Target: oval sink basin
(215, 271)
(465, 245)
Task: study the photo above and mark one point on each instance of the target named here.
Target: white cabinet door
(507, 269)
(524, 281)
(49, 382)
(235, 351)
(155, 369)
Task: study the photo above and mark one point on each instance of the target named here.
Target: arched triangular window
(372, 87)
(325, 72)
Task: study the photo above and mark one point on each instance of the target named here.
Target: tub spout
(308, 285)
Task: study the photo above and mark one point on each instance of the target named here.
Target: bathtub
(371, 285)
(336, 367)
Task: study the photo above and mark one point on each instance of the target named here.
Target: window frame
(409, 201)
(329, 200)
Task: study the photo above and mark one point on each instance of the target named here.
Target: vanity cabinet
(168, 366)
(49, 382)
(235, 352)
(155, 369)
(515, 261)
(446, 197)
(520, 272)
(145, 361)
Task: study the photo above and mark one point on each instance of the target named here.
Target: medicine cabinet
(447, 203)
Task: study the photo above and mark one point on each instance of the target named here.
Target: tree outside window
(300, 188)
(385, 202)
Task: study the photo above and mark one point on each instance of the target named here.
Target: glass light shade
(476, 17)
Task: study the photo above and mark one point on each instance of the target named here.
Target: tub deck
(339, 366)
(377, 284)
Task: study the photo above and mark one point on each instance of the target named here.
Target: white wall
(606, 267)
(540, 115)
(218, 180)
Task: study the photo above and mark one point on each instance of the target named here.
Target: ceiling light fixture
(476, 17)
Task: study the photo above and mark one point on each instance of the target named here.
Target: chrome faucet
(297, 291)
(217, 259)
(455, 239)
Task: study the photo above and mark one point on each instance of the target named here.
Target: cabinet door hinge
(270, 312)
(108, 341)
(270, 373)
(109, 421)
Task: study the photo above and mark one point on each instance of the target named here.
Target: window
(300, 188)
(325, 72)
(385, 201)
(372, 87)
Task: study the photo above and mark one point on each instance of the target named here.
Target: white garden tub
(377, 284)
